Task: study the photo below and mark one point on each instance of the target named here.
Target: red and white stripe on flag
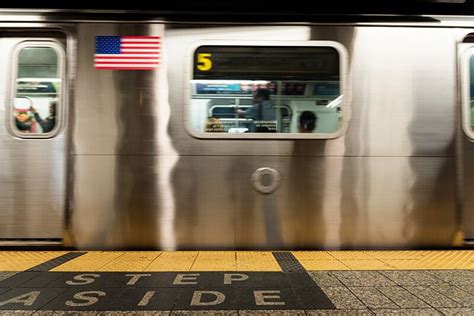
(127, 52)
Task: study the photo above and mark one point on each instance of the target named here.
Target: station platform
(237, 282)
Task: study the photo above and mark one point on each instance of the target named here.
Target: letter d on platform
(197, 298)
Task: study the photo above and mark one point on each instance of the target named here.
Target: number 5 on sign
(204, 62)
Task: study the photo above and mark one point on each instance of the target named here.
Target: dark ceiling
(242, 7)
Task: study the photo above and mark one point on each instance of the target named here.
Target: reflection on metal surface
(377, 186)
(168, 158)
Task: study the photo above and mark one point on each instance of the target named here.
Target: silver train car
(140, 132)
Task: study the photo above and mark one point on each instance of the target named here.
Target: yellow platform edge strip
(172, 261)
(386, 260)
(257, 261)
(16, 261)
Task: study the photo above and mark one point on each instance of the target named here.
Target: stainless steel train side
(398, 177)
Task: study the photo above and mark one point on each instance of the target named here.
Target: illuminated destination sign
(266, 63)
(216, 88)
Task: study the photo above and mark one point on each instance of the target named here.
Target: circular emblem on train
(265, 180)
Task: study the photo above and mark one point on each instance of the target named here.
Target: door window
(37, 87)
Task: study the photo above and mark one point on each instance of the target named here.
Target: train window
(37, 86)
(255, 90)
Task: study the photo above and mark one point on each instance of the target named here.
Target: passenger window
(267, 91)
(37, 89)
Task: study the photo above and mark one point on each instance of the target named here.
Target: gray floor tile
(362, 278)
(342, 298)
(101, 313)
(408, 312)
(402, 297)
(210, 312)
(340, 312)
(373, 298)
(423, 278)
(457, 311)
(141, 313)
(463, 298)
(468, 288)
(399, 277)
(348, 278)
(15, 312)
(272, 312)
(324, 278)
(432, 297)
(69, 313)
(457, 277)
(134, 313)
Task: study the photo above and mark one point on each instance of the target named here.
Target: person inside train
(262, 112)
(23, 121)
(48, 123)
(214, 125)
(307, 123)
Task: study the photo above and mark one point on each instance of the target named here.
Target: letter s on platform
(204, 62)
(86, 278)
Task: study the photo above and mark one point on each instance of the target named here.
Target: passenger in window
(48, 123)
(262, 112)
(214, 125)
(246, 88)
(24, 122)
(307, 122)
(272, 87)
(289, 89)
(299, 89)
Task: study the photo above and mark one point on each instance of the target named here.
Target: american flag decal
(127, 52)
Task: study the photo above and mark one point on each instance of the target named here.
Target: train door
(32, 136)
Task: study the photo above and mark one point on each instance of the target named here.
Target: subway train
(148, 131)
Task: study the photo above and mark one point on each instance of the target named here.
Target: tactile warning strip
(156, 261)
(24, 260)
(386, 260)
(91, 261)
